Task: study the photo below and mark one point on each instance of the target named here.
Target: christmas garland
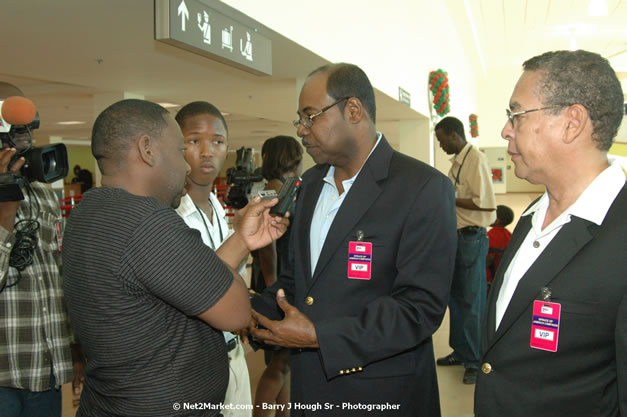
(474, 127)
(438, 84)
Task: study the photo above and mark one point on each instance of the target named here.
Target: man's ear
(146, 148)
(577, 120)
(354, 109)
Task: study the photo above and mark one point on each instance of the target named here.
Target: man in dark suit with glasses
(372, 252)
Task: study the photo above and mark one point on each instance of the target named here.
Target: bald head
(348, 80)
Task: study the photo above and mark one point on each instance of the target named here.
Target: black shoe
(470, 376)
(448, 361)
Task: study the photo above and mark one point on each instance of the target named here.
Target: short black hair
(505, 215)
(450, 125)
(348, 80)
(280, 154)
(121, 124)
(581, 77)
(199, 107)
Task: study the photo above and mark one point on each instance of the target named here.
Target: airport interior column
(415, 140)
(101, 102)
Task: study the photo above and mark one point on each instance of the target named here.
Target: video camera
(241, 178)
(45, 164)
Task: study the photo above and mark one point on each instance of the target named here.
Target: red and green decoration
(438, 84)
(474, 127)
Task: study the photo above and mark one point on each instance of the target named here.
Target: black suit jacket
(585, 266)
(374, 335)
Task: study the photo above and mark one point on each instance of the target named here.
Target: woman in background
(282, 158)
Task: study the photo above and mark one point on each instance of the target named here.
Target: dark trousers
(24, 403)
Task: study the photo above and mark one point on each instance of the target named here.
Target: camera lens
(49, 162)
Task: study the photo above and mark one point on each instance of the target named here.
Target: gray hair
(586, 78)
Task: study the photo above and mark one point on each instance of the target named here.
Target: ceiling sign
(193, 25)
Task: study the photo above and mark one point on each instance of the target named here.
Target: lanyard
(202, 216)
(460, 167)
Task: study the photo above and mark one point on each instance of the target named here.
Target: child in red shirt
(499, 237)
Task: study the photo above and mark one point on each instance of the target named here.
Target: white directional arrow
(184, 13)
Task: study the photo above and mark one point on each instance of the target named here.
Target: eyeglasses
(511, 115)
(307, 121)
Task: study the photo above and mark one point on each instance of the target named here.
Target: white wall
(496, 90)
(396, 42)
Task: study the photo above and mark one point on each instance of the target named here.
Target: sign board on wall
(404, 96)
(195, 26)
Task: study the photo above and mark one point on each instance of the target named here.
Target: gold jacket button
(486, 368)
(309, 301)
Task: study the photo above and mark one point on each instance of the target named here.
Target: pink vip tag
(545, 326)
(359, 260)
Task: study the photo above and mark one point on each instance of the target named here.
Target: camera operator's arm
(8, 211)
(256, 228)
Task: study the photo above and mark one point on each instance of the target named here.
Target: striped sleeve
(172, 262)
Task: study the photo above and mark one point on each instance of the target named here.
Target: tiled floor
(456, 399)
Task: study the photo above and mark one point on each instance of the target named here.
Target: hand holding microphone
(257, 227)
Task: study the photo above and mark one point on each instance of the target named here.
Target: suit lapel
(363, 193)
(565, 245)
(309, 198)
(522, 228)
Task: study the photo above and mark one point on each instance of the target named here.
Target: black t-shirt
(135, 277)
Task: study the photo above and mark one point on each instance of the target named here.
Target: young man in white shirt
(206, 138)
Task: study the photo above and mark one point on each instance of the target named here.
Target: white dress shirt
(213, 232)
(592, 205)
(328, 205)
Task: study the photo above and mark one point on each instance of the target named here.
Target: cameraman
(35, 336)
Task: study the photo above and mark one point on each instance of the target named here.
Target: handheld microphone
(18, 111)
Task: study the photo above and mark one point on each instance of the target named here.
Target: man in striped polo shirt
(147, 298)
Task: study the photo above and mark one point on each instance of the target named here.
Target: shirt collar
(187, 207)
(462, 152)
(595, 201)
